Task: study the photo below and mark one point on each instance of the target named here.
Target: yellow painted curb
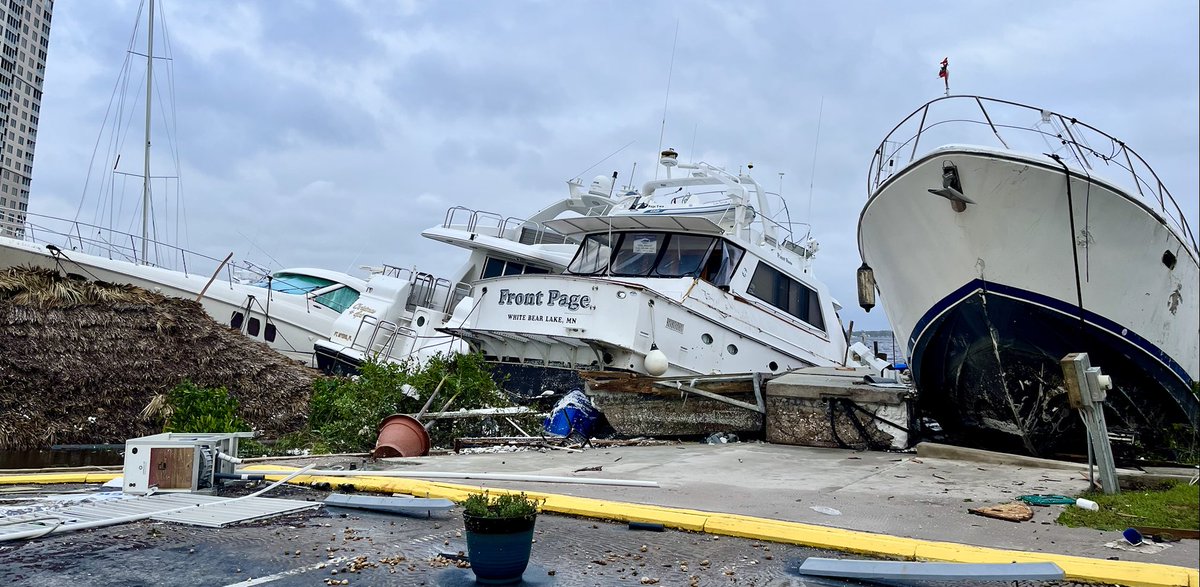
(52, 478)
(1076, 568)
(1134, 574)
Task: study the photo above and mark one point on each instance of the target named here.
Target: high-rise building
(22, 70)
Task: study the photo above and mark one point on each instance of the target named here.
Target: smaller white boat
(401, 311)
(288, 309)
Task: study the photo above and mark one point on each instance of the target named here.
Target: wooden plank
(1149, 531)
(171, 468)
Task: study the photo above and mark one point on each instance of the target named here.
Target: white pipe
(455, 475)
(142, 516)
(229, 458)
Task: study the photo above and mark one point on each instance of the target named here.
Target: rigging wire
(122, 78)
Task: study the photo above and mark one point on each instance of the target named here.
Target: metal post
(1086, 388)
(149, 96)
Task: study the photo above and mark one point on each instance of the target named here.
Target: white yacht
(400, 311)
(288, 310)
(693, 274)
(1023, 235)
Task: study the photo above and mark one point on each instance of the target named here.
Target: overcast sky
(330, 133)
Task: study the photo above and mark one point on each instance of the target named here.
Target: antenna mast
(813, 172)
(670, 73)
(149, 96)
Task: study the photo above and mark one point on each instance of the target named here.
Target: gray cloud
(331, 133)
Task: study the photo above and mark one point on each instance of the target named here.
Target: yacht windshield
(593, 254)
(644, 254)
(293, 283)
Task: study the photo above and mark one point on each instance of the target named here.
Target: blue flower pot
(499, 547)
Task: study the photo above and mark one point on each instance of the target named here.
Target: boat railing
(428, 291)
(521, 230)
(73, 235)
(979, 118)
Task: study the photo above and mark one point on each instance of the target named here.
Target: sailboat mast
(149, 95)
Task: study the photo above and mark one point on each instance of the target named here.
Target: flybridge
(551, 297)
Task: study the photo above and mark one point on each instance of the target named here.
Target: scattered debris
(825, 510)
(1144, 547)
(720, 438)
(407, 506)
(1012, 512)
(648, 526)
(1047, 500)
(872, 570)
(573, 415)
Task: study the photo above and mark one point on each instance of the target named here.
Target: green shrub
(344, 412)
(507, 505)
(191, 408)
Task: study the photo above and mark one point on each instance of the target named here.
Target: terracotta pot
(401, 436)
(499, 548)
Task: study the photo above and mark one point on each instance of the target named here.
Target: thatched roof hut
(79, 361)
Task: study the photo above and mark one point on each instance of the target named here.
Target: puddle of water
(39, 459)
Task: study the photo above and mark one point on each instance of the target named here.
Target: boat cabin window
(296, 284)
(494, 267)
(654, 254)
(719, 268)
(772, 286)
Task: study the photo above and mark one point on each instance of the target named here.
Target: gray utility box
(175, 461)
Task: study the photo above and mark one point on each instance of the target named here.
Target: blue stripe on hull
(986, 361)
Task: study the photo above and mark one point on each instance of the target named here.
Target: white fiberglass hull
(574, 322)
(295, 322)
(989, 299)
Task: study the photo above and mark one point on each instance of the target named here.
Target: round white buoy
(656, 361)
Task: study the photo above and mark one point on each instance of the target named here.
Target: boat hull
(295, 324)
(989, 299)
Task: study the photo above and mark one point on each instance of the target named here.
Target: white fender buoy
(656, 362)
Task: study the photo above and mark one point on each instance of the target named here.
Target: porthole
(608, 358)
(269, 332)
(1168, 259)
(420, 321)
(252, 327)
(706, 338)
(731, 349)
(773, 366)
(235, 322)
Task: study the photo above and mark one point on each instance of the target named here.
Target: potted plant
(499, 535)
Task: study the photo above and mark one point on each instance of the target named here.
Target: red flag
(944, 73)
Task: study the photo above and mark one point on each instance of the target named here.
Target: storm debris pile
(80, 360)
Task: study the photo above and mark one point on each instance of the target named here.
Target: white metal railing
(493, 224)
(73, 235)
(428, 291)
(1080, 144)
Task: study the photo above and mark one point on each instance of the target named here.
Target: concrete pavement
(887, 493)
